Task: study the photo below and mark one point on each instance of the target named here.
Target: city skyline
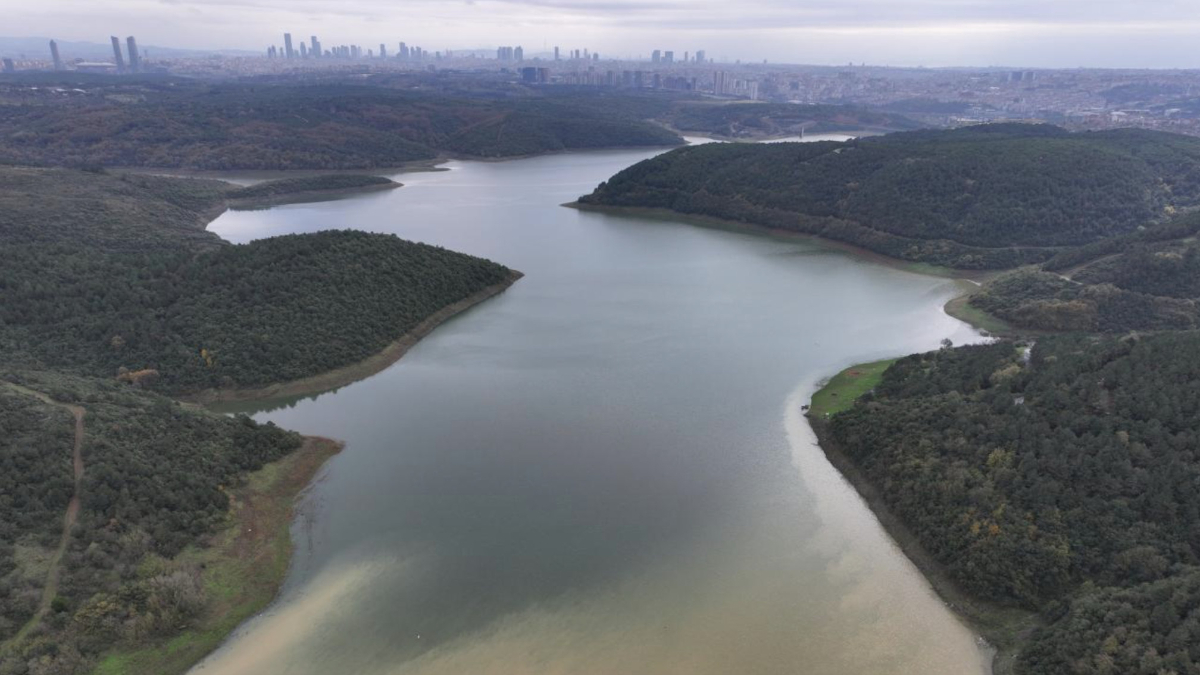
(1066, 33)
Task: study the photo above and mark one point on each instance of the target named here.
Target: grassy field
(962, 309)
(843, 389)
(243, 568)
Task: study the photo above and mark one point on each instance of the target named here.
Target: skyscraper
(116, 45)
(58, 65)
(403, 52)
(519, 54)
(699, 56)
(135, 59)
(303, 50)
(556, 53)
(287, 46)
(668, 57)
(315, 48)
(655, 56)
(8, 66)
(382, 51)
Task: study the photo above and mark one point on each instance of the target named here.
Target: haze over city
(1025, 33)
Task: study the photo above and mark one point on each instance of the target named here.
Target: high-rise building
(668, 57)
(303, 50)
(117, 57)
(287, 46)
(655, 56)
(595, 56)
(58, 64)
(8, 66)
(314, 49)
(403, 53)
(382, 51)
(556, 53)
(519, 54)
(135, 59)
(699, 56)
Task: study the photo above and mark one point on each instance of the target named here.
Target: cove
(603, 469)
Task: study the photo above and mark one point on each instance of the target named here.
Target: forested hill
(985, 197)
(1066, 482)
(193, 125)
(114, 276)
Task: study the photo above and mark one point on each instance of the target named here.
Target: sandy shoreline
(1006, 629)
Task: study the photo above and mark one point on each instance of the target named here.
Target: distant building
(382, 51)
(135, 59)
(655, 56)
(403, 52)
(287, 46)
(699, 56)
(315, 48)
(303, 50)
(556, 53)
(519, 54)
(9, 67)
(116, 45)
(668, 57)
(58, 64)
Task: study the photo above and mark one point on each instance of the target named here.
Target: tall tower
(315, 49)
(382, 51)
(287, 46)
(556, 53)
(58, 65)
(135, 59)
(303, 49)
(116, 45)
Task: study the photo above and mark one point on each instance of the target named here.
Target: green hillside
(142, 287)
(321, 126)
(1065, 483)
(988, 197)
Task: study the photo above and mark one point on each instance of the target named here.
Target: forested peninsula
(978, 198)
(128, 519)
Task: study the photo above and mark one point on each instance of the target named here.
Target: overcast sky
(1048, 33)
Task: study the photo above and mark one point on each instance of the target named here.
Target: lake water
(604, 469)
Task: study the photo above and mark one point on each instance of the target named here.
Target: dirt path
(50, 589)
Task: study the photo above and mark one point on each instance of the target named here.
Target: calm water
(604, 469)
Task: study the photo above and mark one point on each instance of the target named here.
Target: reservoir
(604, 469)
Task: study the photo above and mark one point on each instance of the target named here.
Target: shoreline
(349, 374)
(306, 197)
(970, 280)
(246, 562)
(1006, 629)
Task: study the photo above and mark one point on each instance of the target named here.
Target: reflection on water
(603, 469)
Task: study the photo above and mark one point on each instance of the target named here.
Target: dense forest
(1145, 280)
(175, 308)
(157, 480)
(986, 197)
(322, 126)
(1063, 479)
